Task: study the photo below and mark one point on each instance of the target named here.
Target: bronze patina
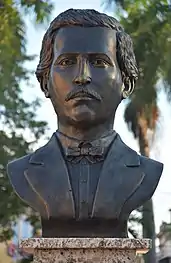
(85, 181)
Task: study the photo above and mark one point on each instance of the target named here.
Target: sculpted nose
(83, 76)
(82, 80)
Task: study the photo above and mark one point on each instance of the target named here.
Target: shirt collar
(103, 141)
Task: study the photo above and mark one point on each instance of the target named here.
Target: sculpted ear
(45, 86)
(128, 87)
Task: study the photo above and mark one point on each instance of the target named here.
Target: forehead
(85, 40)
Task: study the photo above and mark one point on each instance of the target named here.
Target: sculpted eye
(98, 62)
(67, 62)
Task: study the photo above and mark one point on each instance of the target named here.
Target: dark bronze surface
(85, 181)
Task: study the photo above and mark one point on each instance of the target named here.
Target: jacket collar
(120, 151)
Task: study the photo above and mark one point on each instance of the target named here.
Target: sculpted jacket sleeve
(16, 173)
(152, 171)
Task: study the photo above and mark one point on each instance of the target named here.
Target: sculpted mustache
(83, 91)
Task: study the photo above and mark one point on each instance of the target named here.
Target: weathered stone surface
(56, 243)
(85, 256)
(88, 250)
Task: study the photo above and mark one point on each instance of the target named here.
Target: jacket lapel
(119, 179)
(48, 176)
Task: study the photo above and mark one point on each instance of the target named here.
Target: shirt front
(84, 170)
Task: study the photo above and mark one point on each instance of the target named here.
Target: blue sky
(162, 145)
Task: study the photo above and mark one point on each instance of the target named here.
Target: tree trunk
(147, 211)
(149, 230)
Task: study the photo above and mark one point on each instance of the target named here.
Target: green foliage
(17, 116)
(148, 22)
(41, 9)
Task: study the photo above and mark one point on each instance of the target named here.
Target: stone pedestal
(85, 250)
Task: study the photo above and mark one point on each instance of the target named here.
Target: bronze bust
(85, 181)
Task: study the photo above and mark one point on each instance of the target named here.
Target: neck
(83, 135)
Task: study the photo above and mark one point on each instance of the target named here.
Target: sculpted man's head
(87, 66)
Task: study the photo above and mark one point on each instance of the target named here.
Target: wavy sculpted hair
(89, 18)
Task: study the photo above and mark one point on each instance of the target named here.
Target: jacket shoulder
(15, 172)
(152, 169)
(16, 167)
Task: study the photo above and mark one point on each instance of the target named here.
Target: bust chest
(82, 191)
(84, 177)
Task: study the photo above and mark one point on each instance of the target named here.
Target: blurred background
(27, 119)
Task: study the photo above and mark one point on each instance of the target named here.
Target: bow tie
(85, 151)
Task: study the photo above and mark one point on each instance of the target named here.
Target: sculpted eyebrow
(90, 55)
(69, 55)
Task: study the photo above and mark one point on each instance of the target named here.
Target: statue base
(86, 250)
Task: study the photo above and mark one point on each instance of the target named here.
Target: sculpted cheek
(59, 83)
(117, 80)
